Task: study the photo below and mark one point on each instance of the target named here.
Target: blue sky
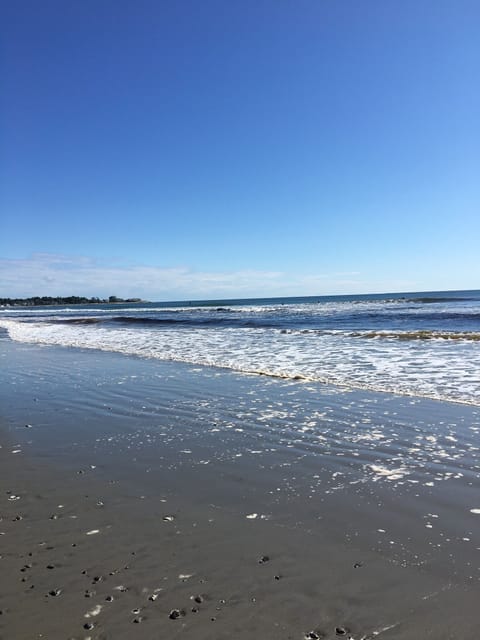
(198, 149)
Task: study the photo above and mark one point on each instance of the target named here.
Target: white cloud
(51, 274)
(61, 275)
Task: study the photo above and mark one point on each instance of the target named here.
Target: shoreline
(330, 383)
(167, 461)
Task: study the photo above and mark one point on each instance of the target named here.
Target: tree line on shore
(35, 301)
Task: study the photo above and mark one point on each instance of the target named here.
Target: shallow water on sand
(390, 474)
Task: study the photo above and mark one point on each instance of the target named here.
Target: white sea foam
(429, 368)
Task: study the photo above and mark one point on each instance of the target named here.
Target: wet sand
(162, 501)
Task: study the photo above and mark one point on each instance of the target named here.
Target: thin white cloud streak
(44, 274)
(60, 275)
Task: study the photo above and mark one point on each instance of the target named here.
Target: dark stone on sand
(50, 566)
(263, 559)
(198, 599)
(88, 626)
(312, 635)
(97, 579)
(55, 592)
(137, 620)
(341, 631)
(194, 609)
(109, 599)
(277, 577)
(175, 614)
(357, 565)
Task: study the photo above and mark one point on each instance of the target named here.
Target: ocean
(415, 344)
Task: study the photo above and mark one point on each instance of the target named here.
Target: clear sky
(233, 148)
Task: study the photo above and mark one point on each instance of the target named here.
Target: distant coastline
(42, 301)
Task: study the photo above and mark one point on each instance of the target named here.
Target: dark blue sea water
(419, 344)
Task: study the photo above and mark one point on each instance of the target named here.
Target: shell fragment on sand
(94, 612)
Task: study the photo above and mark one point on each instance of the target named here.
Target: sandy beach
(158, 500)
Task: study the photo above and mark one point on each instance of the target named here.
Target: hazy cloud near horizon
(62, 275)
